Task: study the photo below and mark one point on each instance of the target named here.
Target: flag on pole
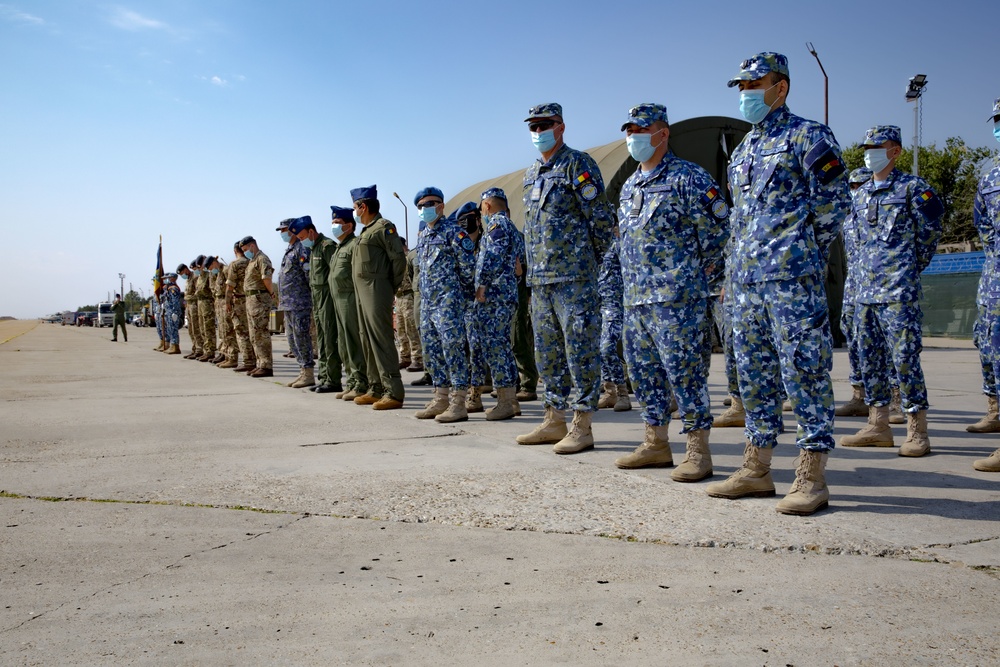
(158, 276)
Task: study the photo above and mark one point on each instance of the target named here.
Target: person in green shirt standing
(346, 304)
(118, 308)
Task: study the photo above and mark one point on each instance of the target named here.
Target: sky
(207, 120)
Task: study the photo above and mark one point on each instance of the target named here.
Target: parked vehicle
(105, 316)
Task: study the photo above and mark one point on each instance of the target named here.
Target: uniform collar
(555, 156)
(776, 117)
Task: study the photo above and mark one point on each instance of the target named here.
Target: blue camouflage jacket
(674, 230)
(789, 189)
(851, 253)
(445, 254)
(294, 281)
(610, 286)
(986, 216)
(896, 229)
(173, 299)
(500, 248)
(568, 222)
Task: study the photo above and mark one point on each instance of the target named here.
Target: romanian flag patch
(583, 178)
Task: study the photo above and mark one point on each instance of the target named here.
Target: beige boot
(990, 423)
(808, 493)
(876, 434)
(456, 411)
(753, 480)
(579, 438)
(174, 349)
(504, 409)
(697, 463)
(734, 416)
(297, 378)
(609, 396)
(917, 443)
(437, 405)
(856, 406)
(622, 403)
(990, 464)
(350, 395)
(306, 379)
(474, 403)
(552, 429)
(896, 415)
(161, 347)
(654, 452)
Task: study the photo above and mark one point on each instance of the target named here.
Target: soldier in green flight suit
(322, 249)
(346, 304)
(378, 271)
(118, 308)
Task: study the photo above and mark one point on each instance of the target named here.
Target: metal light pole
(914, 89)
(826, 84)
(121, 276)
(406, 219)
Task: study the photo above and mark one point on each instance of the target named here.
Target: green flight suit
(379, 265)
(345, 304)
(328, 365)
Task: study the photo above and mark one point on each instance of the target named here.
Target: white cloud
(218, 81)
(9, 13)
(126, 19)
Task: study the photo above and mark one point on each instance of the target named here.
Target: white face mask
(877, 159)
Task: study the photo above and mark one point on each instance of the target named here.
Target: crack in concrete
(949, 545)
(414, 437)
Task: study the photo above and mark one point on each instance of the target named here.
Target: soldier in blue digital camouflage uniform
(673, 228)
(497, 268)
(856, 406)
(896, 227)
(172, 307)
(445, 255)
(610, 289)
(296, 302)
(467, 217)
(790, 197)
(986, 215)
(568, 225)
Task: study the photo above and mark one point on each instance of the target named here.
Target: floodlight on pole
(826, 84)
(914, 89)
(406, 218)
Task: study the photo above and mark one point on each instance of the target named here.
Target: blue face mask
(197, 272)
(640, 146)
(337, 231)
(215, 272)
(544, 141)
(307, 243)
(357, 219)
(248, 254)
(286, 237)
(876, 159)
(996, 130)
(428, 214)
(752, 105)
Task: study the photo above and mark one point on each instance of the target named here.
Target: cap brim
(746, 76)
(544, 117)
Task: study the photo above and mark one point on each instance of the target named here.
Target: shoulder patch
(589, 192)
(824, 161)
(715, 203)
(466, 242)
(929, 204)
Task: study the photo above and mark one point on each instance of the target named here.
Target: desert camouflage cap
(547, 110)
(760, 65)
(859, 176)
(996, 109)
(494, 192)
(645, 115)
(880, 134)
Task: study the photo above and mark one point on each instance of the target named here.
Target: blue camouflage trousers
(889, 345)
(566, 320)
(299, 336)
(723, 311)
(172, 325)
(478, 369)
(612, 319)
(443, 336)
(981, 337)
(664, 350)
(847, 326)
(781, 336)
(161, 331)
(492, 331)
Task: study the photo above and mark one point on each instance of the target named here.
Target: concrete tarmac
(163, 511)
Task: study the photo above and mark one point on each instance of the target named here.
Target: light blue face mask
(428, 214)
(337, 230)
(215, 272)
(286, 237)
(248, 254)
(876, 159)
(752, 105)
(996, 130)
(307, 243)
(544, 141)
(640, 146)
(197, 272)
(357, 219)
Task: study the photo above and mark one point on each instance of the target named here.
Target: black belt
(255, 292)
(240, 296)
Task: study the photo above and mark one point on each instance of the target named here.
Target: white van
(105, 316)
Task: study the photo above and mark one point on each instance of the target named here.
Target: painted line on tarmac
(37, 322)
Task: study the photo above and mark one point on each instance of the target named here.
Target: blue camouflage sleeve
(830, 199)
(493, 252)
(711, 223)
(465, 258)
(981, 219)
(589, 188)
(930, 210)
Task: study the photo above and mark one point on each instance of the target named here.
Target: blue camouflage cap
(494, 192)
(645, 115)
(996, 109)
(300, 224)
(341, 213)
(284, 224)
(547, 110)
(370, 192)
(428, 192)
(880, 134)
(170, 276)
(760, 65)
(859, 176)
(465, 209)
